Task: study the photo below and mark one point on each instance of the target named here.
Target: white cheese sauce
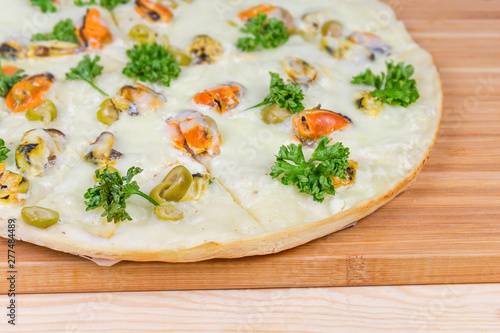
(243, 200)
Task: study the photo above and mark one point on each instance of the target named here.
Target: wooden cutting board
(443, 229)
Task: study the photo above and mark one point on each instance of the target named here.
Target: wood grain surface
(450, 308)
(444, 229)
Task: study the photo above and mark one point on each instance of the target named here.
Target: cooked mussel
(350, 175)
(205, 50)
(101, 152)
(271, 12)
(29, 93)
(299, 70)
(94, 32)
(345, 50)
(153, 12)
(311, 125)
(38, 150)
(368, 104)
(52, 48)
(221, 98)
(138, 98)
(11, 185)
(371, 41)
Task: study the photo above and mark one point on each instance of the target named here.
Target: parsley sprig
(266, 33)
(151, 62)
(111, 193)
(3, 151)
(287, 96)
(87, 70)
(395, 87)
(108, 4)
(7, 82)
(64, 31)
(314, 176)
(45, 5)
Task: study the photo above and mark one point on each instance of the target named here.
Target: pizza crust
(258, 242)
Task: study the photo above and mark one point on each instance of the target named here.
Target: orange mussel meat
(153, 12)
(313, 124)
(29, 93)
(221, 98)
(93, 32)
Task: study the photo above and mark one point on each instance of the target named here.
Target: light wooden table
(471, 26)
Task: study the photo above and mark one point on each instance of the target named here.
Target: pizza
(187, 130)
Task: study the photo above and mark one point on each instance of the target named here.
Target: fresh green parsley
(87, 70)
(7, 82)
(3, 151)
(151, 62)
(287, 96)
(111, 193)
(64, 31)
(45, 5)
(395, 87)
(108, 4)
(81, 3)
(266, 33)
(314, 176)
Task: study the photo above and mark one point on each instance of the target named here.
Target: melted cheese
(243, 200)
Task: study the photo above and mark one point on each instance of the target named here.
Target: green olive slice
(332, 28)
(39, 217)
(273, 114)
(46, 112)
(181, 57)
(308, 36)
(108, 113)
(142, 34)
(175, 185)
(168, 213)
(24, 185)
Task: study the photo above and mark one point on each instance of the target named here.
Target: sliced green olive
(308, 36)
(273, 114)
(332, 28)
(181, 57)
(108, 113)
(142, 34)
(168, 213)
(174, 187)
(24, 185)
(39, 217)
(46, 112)
(110, 169)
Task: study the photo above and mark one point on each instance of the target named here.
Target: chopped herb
(87, 70)
(45, 5)
(287, 96)
(108, 4)
(3, 151)
(64, 31)
(395, 87)
(310, 176)
(111, 193)
(151, 62)
(7, 82)
(81, 3)
(266, 33)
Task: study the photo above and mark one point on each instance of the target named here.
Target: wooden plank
(444, 229)
(456, 308)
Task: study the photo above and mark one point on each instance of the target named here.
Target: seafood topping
(221, 98)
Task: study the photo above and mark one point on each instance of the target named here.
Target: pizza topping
(94, 33)
(63, 31)
(371, 41)
(111, 193)
(313, 124)
(332, 28)
(52, 48)
(394, 87)
(12, 50)
(205, 50)
(153, 12)
(164, 69)
(45, 5)
(349, 176)
(45, 112)
(38, 150)
(3, 151)
(368, 104)
(345, 50)
(221, 98)
(168, 213)
(142, 34)
(266, 33)
(87, 70)
(195, 133)
(136, 99)
(101, 152)
(108, 4)
(299, 70)
(277, 13)
(39, 217)
(273, 114)
(108, 113)
(174, 186)
(198, 187)
(315, 176)
(11, 185)
(287, 96)
(29, 93)
(9, 76)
